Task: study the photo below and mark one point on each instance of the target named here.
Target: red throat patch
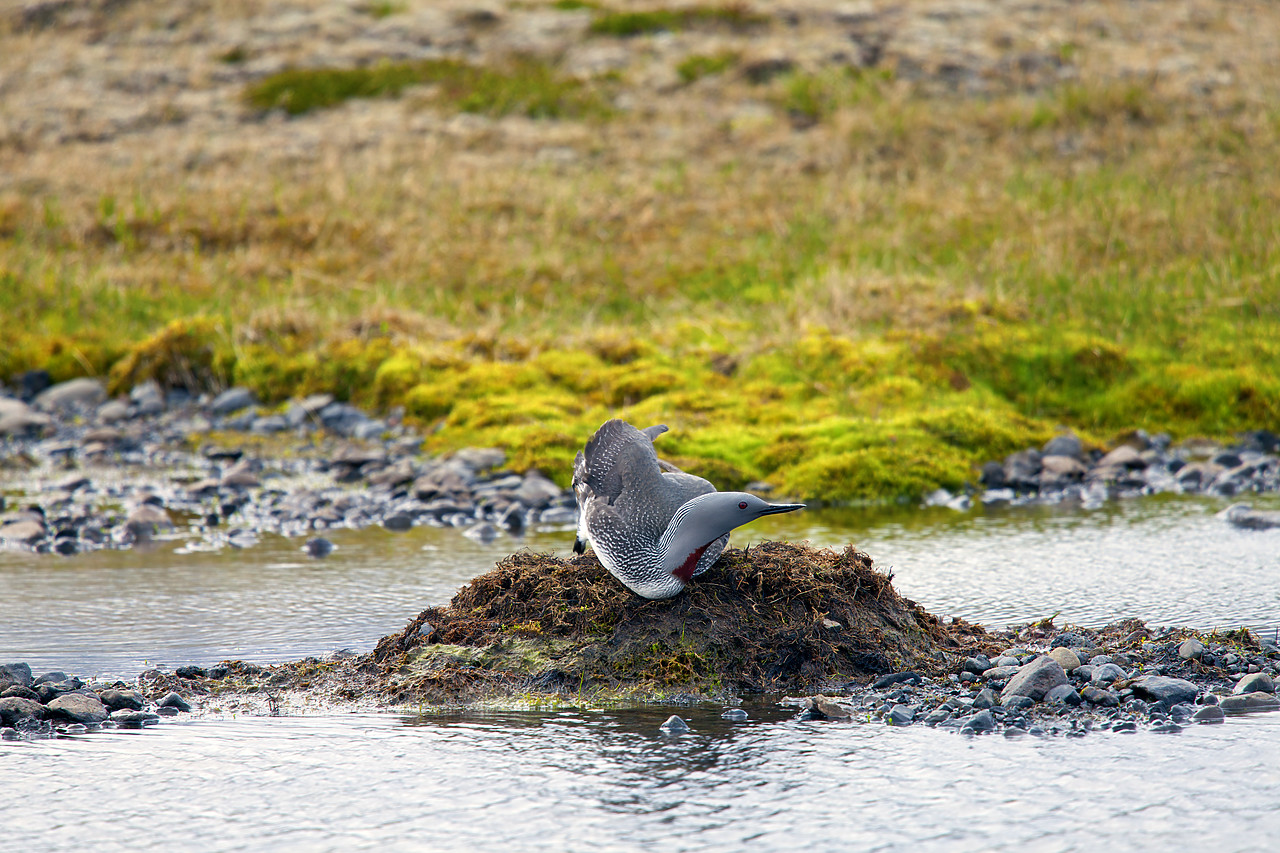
(685, 572)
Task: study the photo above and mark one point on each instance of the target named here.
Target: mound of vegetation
(775, 617)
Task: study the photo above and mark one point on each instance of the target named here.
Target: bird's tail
(579, 547)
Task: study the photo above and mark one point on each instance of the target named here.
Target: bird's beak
(774, 509)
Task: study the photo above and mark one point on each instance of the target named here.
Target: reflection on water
(1170, 561)
(591, 781)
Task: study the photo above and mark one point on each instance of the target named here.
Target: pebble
(173, 700)
(1258, 682)
(1035, 679)
(1191, 649)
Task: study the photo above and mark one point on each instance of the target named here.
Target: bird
(653, 530)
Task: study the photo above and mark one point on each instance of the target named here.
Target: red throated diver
(653, 530)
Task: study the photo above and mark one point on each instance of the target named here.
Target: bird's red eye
(742, 504)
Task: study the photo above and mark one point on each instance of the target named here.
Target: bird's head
(704, 519)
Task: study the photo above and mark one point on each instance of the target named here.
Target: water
(591, 779)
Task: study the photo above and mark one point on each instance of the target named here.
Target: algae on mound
(775, 617)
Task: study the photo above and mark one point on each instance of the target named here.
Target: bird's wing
(616, 450)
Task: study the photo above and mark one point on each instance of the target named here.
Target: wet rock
(77, 708)
(537, 491)
(480, 458)
(318, 547)
(674, 725)
(15, 708)
(484, 532)
(1163, 689)
(1124, 456)
(1258, 682)
(1035, 679)
(19, 419)
(81, 393)
(980, 723)
(147, 520)
(1022, 470)
(1209, 714)
(232, 400)
(129, 718)
(736, 715)
(1106, 673)
(1191, 649)
(147, 399)
(173, 700)
(1247, 702)
(1058, 471)
(116, 699)
(977, 664)
(893, 678)
(900, 715)
(189, 672)
(1242, 515)
(826, 708)
(19, 691)
(398, 522)
(986, 698)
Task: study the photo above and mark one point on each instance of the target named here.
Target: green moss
(699, 65)
(628, 24)
(526, 87)
(188, 353)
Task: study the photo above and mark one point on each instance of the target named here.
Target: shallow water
(596, 780)
(1170, 561)
(586, 780)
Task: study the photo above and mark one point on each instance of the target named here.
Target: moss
(629, 24)
(699, 65)
(189, 353)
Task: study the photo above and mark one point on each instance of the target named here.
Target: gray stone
(398, 522)
(269, 424)
(173, 700)
(674, 725)
(1107, 673)
(318, 547)
(26, 532)
(146, 520)
(986, 698)
(983, 721)
(1191, 649)
(480, 458)
(77, 708)
(1063, 694)
(1064, 444)
(1035, 679)
(116, 699)
(537, 491)
(114, 411)
(832, 709)
(1001, 672)
(342, 418)
(1019, 703)
(937, 715)
(15, 708)
(900, 715)
(232, 400)
(1061, 470)
(1209, 714)
(147, 398)
(1124, 456)
(977, 664)
(128, 718)
(1247, 702)
(1070, 640)
(83, 392)
(1257, 682)
(1163, 689)
(1242, 515)
(736, 715)
(15, 673)
(483, 532)
(1098, 696)
(25, 422)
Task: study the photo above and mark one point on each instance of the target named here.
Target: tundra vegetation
(854, 278)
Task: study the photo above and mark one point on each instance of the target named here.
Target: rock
(831, 709)
(893, 678)
(986, 698)
(1000, 673)
(1066, 658)
(1098, 696)
(674, 725)
(77, 708)
(1242, 515)
(1247, 702)
(1019, 703)
(1022, 470)
(26, 532)
(1163, 689)
(1062, 694)
(1059, 470)
(342, 418)
(480, 458)
(129, 718)
(116, 700)
(1070, 640)
(900, 715)
(15, 708)
(1064, 444)
(318, 547)
(189, 671)
(173, 700)
(1258, 682)
(483, 532)
(983, 721)
(17, 418)
(232, 400)
(1035, 679)
(736, 715)
(1191, 649)
(147, 398)
(19, 691)
(1209, 714)
(146, 520)
(398, 522)
(114, 411)
(83, 393)
(537, 491)
(977, 664)
(1107, 673)
(1124, 456)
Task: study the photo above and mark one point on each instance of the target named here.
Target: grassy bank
(858, 289)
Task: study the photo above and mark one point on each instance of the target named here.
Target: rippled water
(608, 780)
(592, 781)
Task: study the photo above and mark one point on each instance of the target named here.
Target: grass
(699, 65)
(864, 310)
(526, 87)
